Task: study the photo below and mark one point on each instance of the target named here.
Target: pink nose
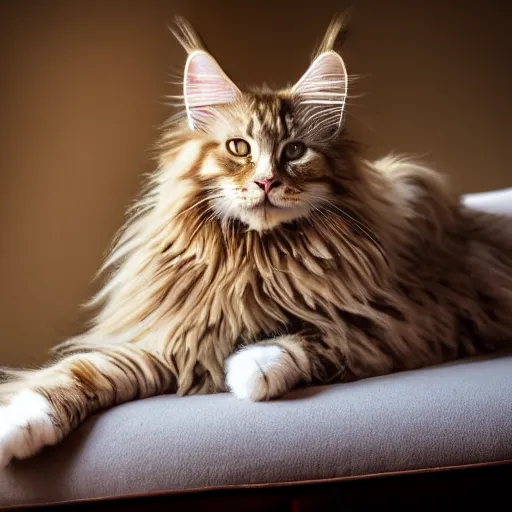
(267, 184)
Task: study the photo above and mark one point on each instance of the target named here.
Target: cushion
(494, 201)
(454, 415)
(457, 414)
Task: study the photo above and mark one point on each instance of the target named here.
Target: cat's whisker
(370, 234)
(328, 219)
(326, 203)
(362, 225)
(196, 204)
(202, 223)
(335, 224)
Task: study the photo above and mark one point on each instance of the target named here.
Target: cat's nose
(267, 184)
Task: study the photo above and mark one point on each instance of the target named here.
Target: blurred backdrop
(82, 95)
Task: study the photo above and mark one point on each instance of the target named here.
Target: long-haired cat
(266, 253)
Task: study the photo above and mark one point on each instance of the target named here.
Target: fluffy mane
(266, 253)
(192, 285)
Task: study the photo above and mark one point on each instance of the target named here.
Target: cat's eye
(294, 150)
(238, 147)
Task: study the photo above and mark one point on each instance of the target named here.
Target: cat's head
(268, 157)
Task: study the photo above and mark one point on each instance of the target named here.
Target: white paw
(261, 372)
(25, 426)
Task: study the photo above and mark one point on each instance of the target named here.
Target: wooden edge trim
(268, 485)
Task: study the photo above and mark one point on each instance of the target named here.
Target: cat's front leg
(269, 369)
(40, 407)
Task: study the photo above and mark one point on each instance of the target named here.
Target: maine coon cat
(267, 253)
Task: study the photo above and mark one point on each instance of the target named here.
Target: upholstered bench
(452, 416)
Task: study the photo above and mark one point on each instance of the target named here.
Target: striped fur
(351, 269)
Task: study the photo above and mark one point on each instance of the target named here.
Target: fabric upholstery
(455, 414)
(452, 415)
(494, 201)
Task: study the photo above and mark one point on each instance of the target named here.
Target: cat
(267, 253)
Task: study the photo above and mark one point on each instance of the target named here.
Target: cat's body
(255, 264)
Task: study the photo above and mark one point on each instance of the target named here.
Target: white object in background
(496, 201)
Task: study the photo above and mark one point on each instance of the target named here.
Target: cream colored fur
(346, 269)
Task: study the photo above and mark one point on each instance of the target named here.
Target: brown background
(82, 87)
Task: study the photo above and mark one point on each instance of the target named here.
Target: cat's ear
(205, 86)
(322, 92)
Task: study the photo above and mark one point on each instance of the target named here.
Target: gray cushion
(451, 415)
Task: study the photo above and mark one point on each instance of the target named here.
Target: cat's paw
(25, 426)
(261, 372)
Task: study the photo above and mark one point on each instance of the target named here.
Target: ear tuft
(335, 35)
(186, 35)
(205, 86)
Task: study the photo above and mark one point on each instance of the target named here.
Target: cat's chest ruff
(268, 292)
